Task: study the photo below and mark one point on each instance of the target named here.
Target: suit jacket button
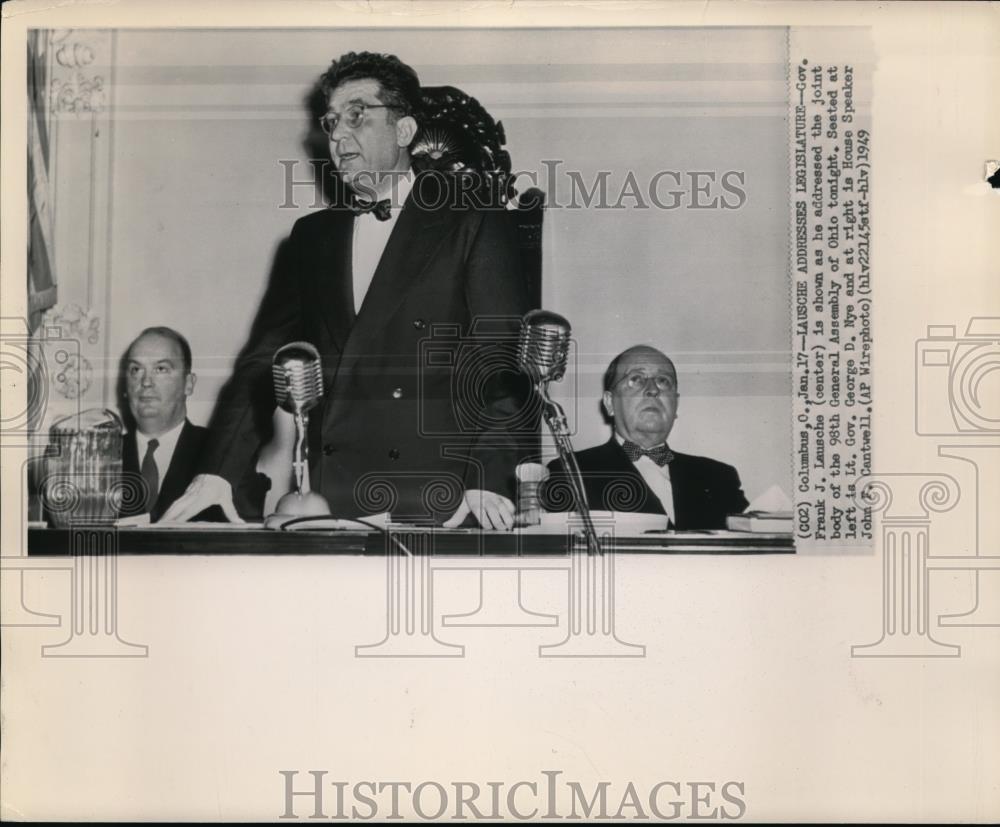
(328, 449)
(394, 453)
(397, 393)
(419, 324)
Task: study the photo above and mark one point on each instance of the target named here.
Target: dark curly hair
(400, 87)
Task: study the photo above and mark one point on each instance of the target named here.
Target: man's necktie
(151, 475)
(380, 209)
(661, 454)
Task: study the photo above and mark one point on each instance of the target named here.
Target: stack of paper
(770, 513)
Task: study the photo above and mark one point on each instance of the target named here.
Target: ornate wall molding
(80, 101)
(74, 91)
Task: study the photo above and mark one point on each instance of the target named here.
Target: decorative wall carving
(79, 68)
(71, 373)
(74, 91)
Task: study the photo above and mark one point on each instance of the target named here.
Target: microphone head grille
(543, 345)
(280, 384)
(298, 377)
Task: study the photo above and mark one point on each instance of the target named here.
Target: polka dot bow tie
(661, 454)
(380, 209)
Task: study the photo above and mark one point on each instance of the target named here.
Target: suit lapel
(174, 481)
(416, 236)
(130, 454)
(334, 276)
(621, 464)
(130, 465)
(689, 492)
(411, 246)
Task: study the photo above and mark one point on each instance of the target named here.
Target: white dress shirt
(657, 477)
(370, 238)
(164, 450)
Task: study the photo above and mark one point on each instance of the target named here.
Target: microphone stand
(301, 501)
(590, 619)
(300, 454)
(555, 418)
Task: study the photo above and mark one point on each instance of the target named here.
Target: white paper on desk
(136, 521)
(623, 522)
(772, 501)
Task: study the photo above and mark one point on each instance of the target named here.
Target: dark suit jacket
(183, 467)
(705, 491)
(409, 418)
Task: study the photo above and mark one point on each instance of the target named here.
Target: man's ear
(189, 383)
(609, 408)
(406, 131)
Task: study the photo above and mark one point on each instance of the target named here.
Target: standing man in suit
(367, 283)
(636, 470)
(164, 447)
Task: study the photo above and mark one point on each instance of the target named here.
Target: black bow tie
(380, 209)
(661, 454)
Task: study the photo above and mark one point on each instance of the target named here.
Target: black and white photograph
(447, 411)
(641, 205)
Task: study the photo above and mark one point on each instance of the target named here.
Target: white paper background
(748, 674)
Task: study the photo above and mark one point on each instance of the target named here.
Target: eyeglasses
(637, 382)
(353, 116)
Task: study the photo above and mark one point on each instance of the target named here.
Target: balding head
(640, 395)
(158, 380)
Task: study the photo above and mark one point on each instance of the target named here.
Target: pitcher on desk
(636, 470)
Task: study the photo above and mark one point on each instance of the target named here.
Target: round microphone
(543, 345)
(298, 377)
(298, 387)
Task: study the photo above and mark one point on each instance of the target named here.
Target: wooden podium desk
(49, 542)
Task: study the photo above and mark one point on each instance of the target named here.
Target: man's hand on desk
(204, 491)
(492, 510)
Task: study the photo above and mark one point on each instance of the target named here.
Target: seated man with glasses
(636, 470)
(367, 283)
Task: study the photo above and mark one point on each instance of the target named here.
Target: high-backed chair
(458, 136)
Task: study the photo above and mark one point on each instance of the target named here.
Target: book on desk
(761, 522)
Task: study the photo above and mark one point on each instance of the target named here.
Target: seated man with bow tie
(636, 470)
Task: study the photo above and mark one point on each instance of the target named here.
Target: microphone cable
(319, 517)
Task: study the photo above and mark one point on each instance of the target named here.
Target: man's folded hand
(204, 491)
(492, 510)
